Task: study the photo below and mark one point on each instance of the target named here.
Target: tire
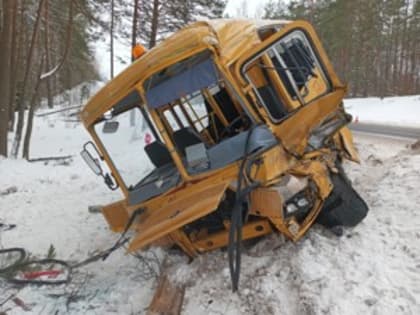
(344, 206)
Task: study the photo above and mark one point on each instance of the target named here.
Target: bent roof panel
(229, 37)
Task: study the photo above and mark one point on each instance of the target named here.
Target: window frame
(245, 66)
(150, 123)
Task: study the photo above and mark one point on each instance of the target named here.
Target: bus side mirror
(95, 164)
(91, 162)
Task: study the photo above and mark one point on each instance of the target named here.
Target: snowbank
(399, 111)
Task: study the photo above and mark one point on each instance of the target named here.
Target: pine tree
(160, 18)
(5, 53)
(36, 48)
(372, 44)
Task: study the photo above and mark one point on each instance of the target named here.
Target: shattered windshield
(125, 137)
(200, 110)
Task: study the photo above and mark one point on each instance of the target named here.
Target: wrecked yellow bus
(241, 132)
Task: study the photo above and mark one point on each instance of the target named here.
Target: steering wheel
(234, 124)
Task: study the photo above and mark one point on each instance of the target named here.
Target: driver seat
(158, 153)
(186, 137)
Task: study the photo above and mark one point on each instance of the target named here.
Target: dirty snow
(373, 269)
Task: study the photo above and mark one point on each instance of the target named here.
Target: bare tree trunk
(46, 76)
(134, 26)
(69, 29)
(403, 33)
(53, 57)
(21, 117)
(112, 39)
(395, 50)
(13, 67)
(32, 107)
(413, 67)
(5, 52)
(20, 51)
(155, 24)
(386, 80)
(133, 43)
(47, 54)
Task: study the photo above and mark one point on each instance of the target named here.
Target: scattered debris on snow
(8, 191)
(416, 146)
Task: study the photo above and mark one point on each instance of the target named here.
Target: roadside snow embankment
(398, 111)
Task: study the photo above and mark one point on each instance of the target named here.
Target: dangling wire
(239, 212)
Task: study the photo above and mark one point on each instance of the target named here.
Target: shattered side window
(299, 67)
(196, 108)
(286, 75)
(178, 111)
(169, 117)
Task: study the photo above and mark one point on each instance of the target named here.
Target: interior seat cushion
(186, 137)
(158, 153)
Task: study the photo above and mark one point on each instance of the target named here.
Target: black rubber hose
(236, 222)
(22, 255)
(234, 247)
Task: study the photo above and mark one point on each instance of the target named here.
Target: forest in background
(47, 46)
(373, 44)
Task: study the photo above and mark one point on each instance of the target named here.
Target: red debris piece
(36, 274)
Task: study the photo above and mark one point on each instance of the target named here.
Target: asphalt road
(394, 131)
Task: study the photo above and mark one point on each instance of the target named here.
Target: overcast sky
(122, 50)
(254, 7)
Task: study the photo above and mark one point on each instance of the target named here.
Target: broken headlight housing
(300, 204)
(299, 195)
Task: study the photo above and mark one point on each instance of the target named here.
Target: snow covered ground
(51, 207)
(372, 269)
(399, 111)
